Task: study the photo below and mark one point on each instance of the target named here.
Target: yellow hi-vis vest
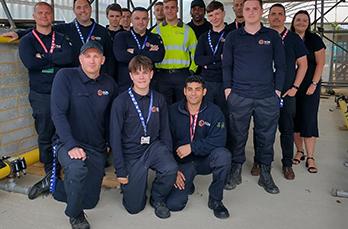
(180, 45)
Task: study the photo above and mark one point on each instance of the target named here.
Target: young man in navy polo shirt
(43, 52)
(140, 140)
(253, 89)
(80, 105)
(199, 136)
(138, 41)
(295, 56)
(209, 54)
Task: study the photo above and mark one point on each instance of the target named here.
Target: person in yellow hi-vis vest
(180, 44)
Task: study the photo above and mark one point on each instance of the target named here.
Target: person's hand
(183, 151)
(227, 92)
(77, 153)
(122, 180)
(154, 48)
(291, 92)
(279, 93)
(130, 50)
(311, 89)
(12, 35)
(180, 181)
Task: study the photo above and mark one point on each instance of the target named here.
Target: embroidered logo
(155, 109)
(102, 93)
(202, 123)
(264, 42)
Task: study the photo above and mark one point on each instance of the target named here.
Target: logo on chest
(102, 92)
(203, 123)
(264, 42)
(154, 109)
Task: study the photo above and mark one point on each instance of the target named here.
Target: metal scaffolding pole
(8, 14)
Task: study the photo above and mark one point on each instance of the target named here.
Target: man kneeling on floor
(80, 103)
(199, 136)
(140, 140)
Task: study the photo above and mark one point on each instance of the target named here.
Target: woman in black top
(308, 95)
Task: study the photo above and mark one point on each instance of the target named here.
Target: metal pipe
(11, 186)
(8, 14)
(30, 158)
(339, 193)
(97, 11)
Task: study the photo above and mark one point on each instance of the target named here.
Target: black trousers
(218, 162)
(41, 106)
(265, 113)
(82, 182)
(158, 158)
(171, 85)
(286, 129)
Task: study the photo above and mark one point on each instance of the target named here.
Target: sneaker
(80, 222)
(161, 210)
(41, 187)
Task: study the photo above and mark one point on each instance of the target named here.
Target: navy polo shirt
(99, 34)
(210, 130)
(234, 25)
(42, 70)
(80, 108)
(126, 129)
(294, 49)
(210, 63)
(200, 29)
(254, 65)
(125, 40)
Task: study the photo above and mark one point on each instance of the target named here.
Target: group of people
(177, 99)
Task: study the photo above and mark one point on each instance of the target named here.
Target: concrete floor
(303, 203)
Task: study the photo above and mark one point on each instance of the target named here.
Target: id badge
(145, 140)
(48, 70)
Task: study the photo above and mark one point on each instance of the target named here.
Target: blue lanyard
(80, 34)
(141, 47)
(214, 50)
(140, 114)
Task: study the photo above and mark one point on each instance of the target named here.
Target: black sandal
(311, 169)
(296, 161)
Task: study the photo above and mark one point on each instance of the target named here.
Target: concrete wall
(17, 133)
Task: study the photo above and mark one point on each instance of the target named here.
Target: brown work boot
(255, 171)
(288, 173)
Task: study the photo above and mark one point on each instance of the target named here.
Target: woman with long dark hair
(308, 95)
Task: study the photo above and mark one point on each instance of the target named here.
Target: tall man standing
(253, 89)
(237, 6)
(198, 23)
(159, 14)
(43, 52)
(296, 52)
(82, 29)
(137, 41)
(81, 102)
(180, 44)
(114, 14)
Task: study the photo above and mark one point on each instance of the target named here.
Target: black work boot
(41, 187)
(266, 180)
(161, 210)
(80, 222)
(235, 177)
(220, 211)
